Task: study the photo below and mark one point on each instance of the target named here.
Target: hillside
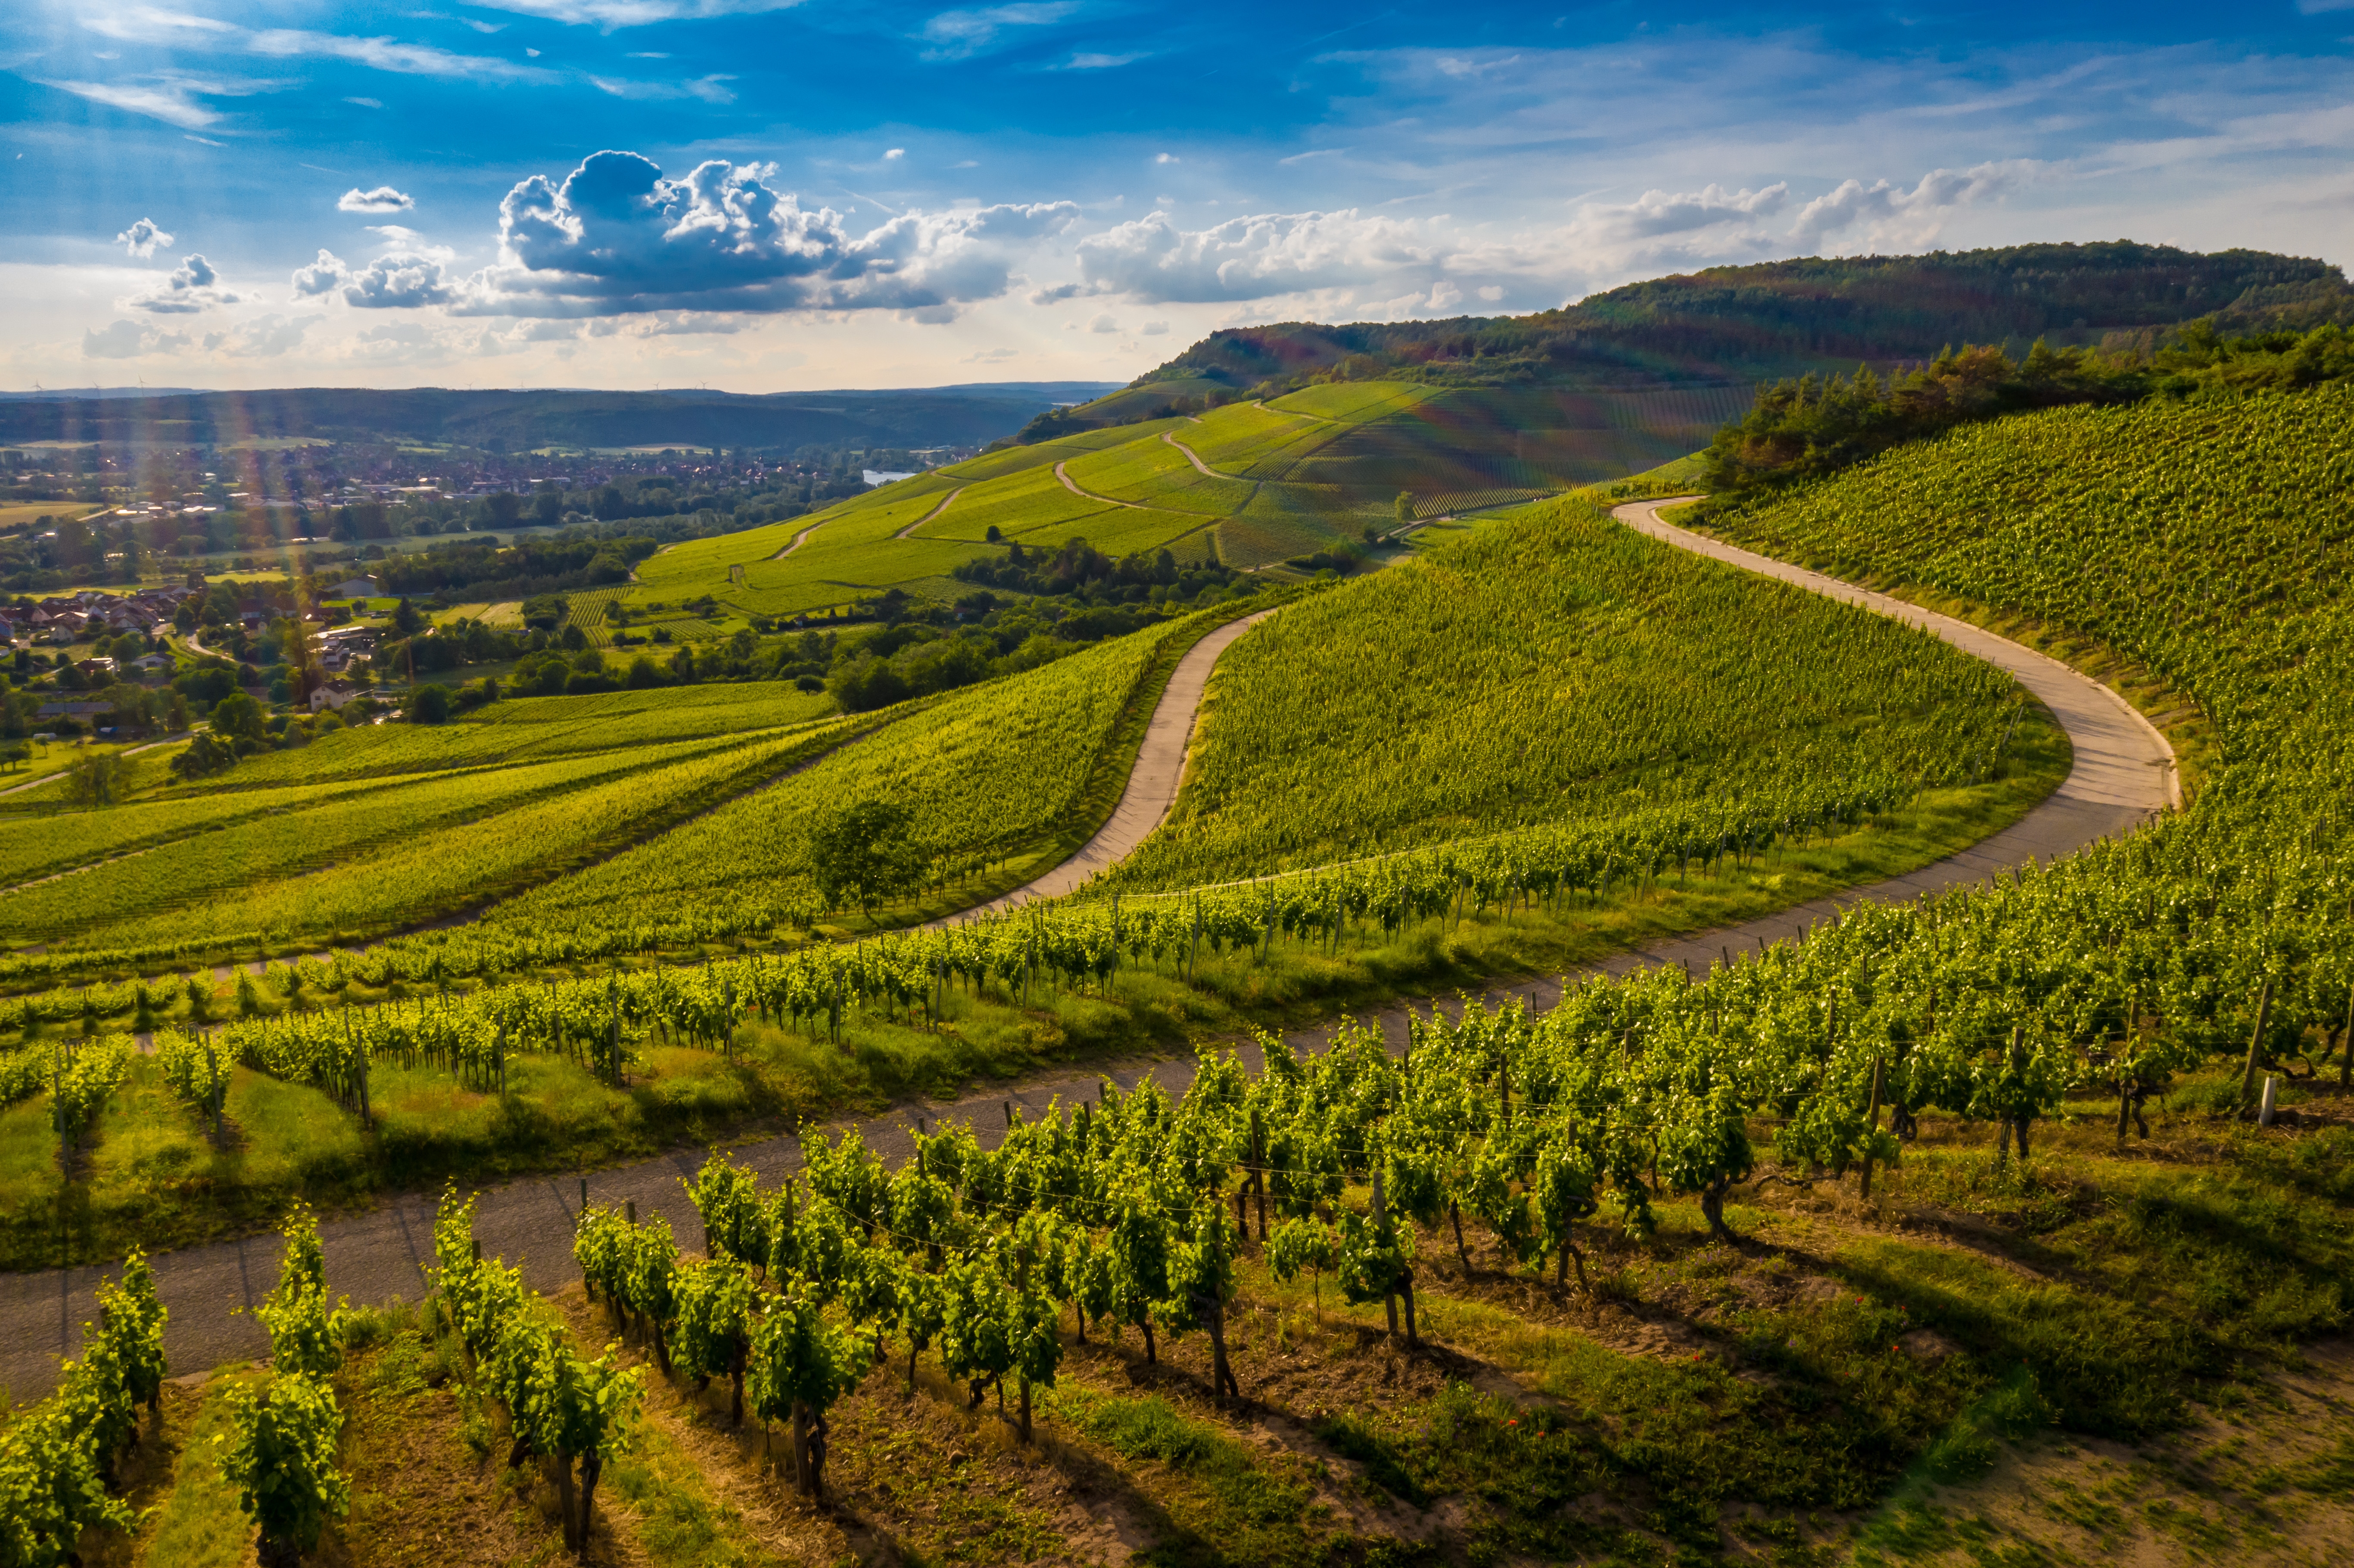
(1743, 324)
(500, 420)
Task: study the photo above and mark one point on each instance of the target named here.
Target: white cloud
(711, 89)
(1893, 215)
(1057, 295)
(957, 35)
(383, 199)
(896, 153)
(1167, 158)
(366, 102)
(1445, 296)
(151, 24)
(1113, 62)
(619, 238)
(997, 355)
(609, 14)
(1491, 292)
(398, 279)
(1103, 322)
(191, 287)
(142, 237)
(1154, 329)
(128, 340)
(172, 103)
(1253, 257)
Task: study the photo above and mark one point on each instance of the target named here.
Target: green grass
(199, 1523)
(679, 1522)
(1222, 1504)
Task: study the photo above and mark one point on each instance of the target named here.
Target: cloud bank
(383, 199)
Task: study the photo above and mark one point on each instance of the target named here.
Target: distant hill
(1738, 325)
(970, 415)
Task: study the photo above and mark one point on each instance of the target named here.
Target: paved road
(2122, 775)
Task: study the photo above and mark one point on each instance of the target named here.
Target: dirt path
(1152, 782)
(946, 502)
(2121, 758)
(1195, 458)
(2122, 776)
(799, 540)
(1073, 486)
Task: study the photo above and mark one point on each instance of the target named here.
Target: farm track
(1152, 782)
(1195, 459)
(132, 751)
(1073, 486)
(946, 502)
(799, 540)
(2122, 776)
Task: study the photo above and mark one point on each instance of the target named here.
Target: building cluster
(80, 616)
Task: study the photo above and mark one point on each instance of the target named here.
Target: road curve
(2121, 758)
(1073, 486)
(1195, 458)
(1152, 782)
(946, 501)
(2122, 776)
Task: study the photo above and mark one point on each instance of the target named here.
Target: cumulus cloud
(398, 279)
(143, 238)
(1103, 322)
(192, 286)
(383, 199)
(128, 340)
(1154, 329)
(1890, 215)
(617, 237)
(1154, 260)
(1057, 295)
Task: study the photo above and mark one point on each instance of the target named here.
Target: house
(334, 695)
(73, 710)
(358, 587)
(97, 669)
(153, 665)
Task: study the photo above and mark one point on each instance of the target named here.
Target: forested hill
(520, 420)
(1743, 324)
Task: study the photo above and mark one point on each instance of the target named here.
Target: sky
(766, 196)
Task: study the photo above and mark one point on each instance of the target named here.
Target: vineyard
(1775, 1258)
(1550, 671)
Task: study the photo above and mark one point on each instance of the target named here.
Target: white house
(334, 695)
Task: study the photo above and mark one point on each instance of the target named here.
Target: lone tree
(865, 857)
(95, 779)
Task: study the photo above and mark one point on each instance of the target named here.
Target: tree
(1405, 507)
(95, 779)
(281, 1460)
(864, 856)
(204, 757)
(431, 704)
(238, 718)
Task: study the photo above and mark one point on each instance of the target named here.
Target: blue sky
(764, 196)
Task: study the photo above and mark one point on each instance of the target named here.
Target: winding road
(1152, 783)
(2123, 774)
(1073, 486)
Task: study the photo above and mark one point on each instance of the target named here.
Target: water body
(875, 476)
